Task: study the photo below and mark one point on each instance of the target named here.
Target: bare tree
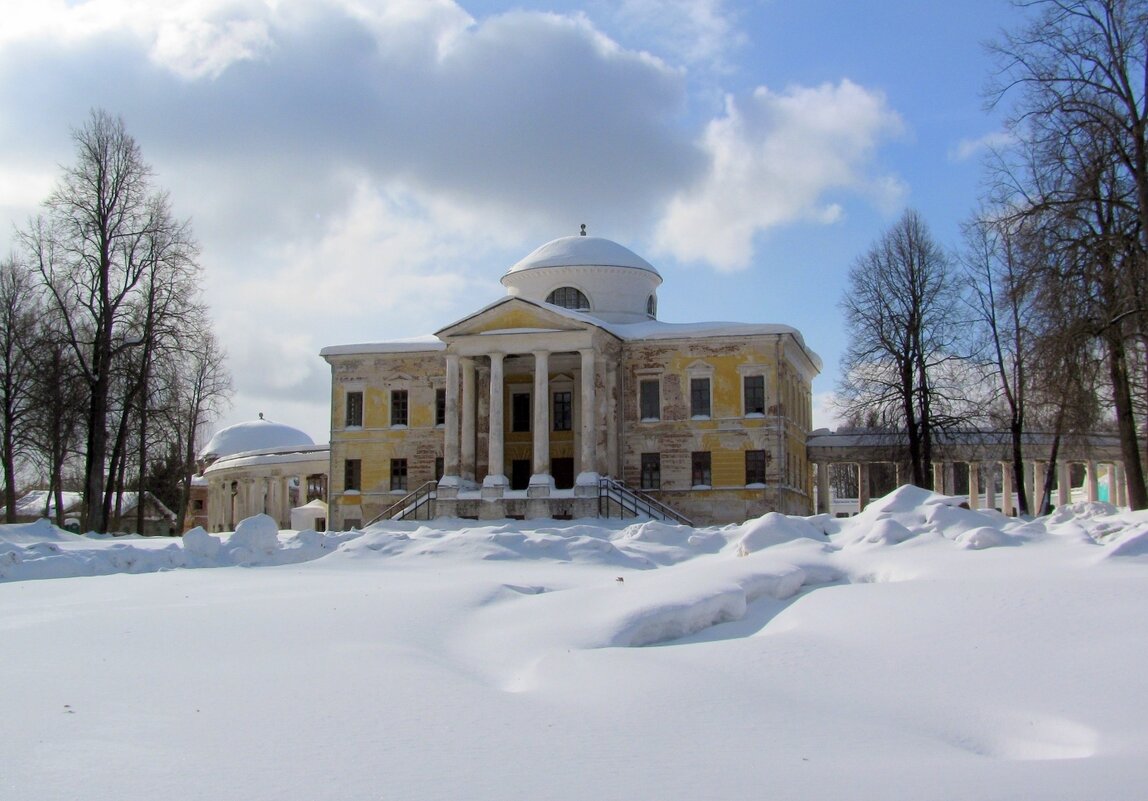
(18, 318)
(104, 231)
(1078, 73)
(899, 309)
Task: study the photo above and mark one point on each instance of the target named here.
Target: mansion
(567, 388)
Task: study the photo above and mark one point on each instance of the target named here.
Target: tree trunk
(1126, 423)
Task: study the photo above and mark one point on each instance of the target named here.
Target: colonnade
(460, 424)
(1035, 473)
(234, 498)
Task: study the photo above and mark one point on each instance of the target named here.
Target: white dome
(581, 251)
(596, 276)
(254, 435)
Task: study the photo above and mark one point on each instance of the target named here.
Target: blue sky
(362, 170)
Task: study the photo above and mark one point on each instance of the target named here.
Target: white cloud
(971, 148)
(695, 32)
(777, 158)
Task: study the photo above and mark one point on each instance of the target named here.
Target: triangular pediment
(514, 315)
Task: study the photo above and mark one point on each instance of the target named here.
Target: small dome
(254, 435)
(581, 251)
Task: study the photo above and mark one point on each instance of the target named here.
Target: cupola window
(569, 298)
(652, 306)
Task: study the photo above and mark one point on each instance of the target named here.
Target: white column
(1118, 488)
(938, 477)
(862, 486)
(974, 485)
(496, 471)
(541, 482)
(1006, 489)
(587, 468)
(1064, 484)
(991, 486)
(1029, 480)
(1093, 483)
(1039, 471)
(451, 471)
(824, 505)
(468, 467)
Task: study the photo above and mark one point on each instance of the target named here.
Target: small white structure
(312, 515)
(261, 467)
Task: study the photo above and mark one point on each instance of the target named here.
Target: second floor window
(440, 407)
(649, 399)
(699, 397)
(520, 411)
(399, 408)
(754, 386)
(354, 409)
(563, 411)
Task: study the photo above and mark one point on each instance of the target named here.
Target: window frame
(440, 406)
(701, 469)
(695, 413)
(353, 404)
(399, 475)
(650, 471)
(516, 424)
(353, 475)
(746, 378)
(563, 421)
(562, 301)
(643, 383)
(400, 408)
(760, 462)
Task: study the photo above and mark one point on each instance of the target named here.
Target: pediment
(514, 315)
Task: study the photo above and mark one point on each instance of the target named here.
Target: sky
(366, 170)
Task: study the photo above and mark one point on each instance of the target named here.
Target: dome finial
(583, 229)
(261, 415)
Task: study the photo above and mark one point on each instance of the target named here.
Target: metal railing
(634, 502)
(408, 507)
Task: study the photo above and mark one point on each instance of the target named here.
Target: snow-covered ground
(918, 651)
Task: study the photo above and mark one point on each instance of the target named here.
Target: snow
(918, 650)
(581, 251)
(254, 435)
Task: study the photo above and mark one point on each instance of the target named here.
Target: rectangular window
(755, 467)
(700, 469)
(754, 394)
(440, 407)
(354, 409)
(651, 471)
(699, 397)
(520, 411)
(399, 407)
(563, 411)
(352, 474)
(316, 487)
(649, 399)
(398, 474)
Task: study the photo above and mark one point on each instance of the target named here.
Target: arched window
(652, 305)
(568, 298)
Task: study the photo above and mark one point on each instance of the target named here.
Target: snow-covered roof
(253, 435)
(427, 342)
(32, 503)
(581, 251)
(270, 456)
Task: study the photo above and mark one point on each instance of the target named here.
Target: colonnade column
(1093, 483)
(862, 486)
(587, 468)
(467, 469)
(1064, 483)
(495, 481)
(974, 485)
(1039, 470)
(1006, 489)
(541, 482)
(823, 503)
(991, 486)
(450, 473)
(938, 477)
(1117, 493)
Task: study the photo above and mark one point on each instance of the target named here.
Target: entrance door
(562, 469)
(519, 474)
